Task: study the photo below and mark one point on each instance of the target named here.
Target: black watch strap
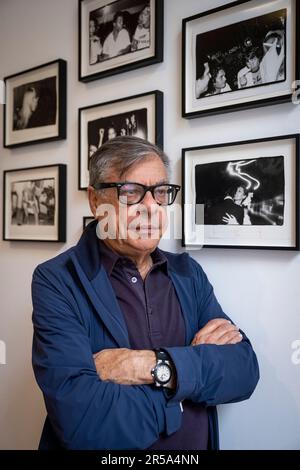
(161, 354)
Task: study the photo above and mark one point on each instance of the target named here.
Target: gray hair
(120, 154)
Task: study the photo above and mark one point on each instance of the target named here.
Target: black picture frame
(86, 220)
(93, 71)
(199, 182)
(197, 50)
(46, 85)
(108, 115)
(47, 217)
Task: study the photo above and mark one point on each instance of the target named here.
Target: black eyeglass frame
(145, 188)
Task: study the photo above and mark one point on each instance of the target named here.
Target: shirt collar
(110, 259)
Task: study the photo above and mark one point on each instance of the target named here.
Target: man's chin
(144, 243)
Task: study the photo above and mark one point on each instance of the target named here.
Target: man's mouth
(147, 227)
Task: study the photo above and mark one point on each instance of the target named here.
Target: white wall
(259, 290)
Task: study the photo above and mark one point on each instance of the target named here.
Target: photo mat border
(296, 138)
(61, 201)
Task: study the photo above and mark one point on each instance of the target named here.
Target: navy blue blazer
(76, 314)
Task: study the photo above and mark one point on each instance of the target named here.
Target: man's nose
(148, 200)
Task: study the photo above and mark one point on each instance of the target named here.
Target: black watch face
(163, 373)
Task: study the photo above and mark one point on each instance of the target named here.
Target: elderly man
(131, 348)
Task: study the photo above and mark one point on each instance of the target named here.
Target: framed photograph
(86, 221)
(118, 36)
(34, 207)
(139, 115)
(242, 194)
(241, 55)
(35, 109)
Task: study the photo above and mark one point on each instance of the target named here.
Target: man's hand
(230, 219)
(243, 79)
(218, 331)
(125, 366)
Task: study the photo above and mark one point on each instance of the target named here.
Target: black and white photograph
(139, 116)
(35, 109)
(35, 204)
(249, 59)
(247, 54)
(243, 194)
(118, 36)
(107, 128)
(35, 104)
(127, 32)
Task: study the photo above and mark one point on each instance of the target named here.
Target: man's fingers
(212, 325)
(232, 337)
(208, 329)
(222, 330)
(237, 339)
(213, 331)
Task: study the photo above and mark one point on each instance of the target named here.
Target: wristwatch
(162, 372)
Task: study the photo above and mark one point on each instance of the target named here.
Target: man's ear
(92, 195)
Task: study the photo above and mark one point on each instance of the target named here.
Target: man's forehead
(139, 175)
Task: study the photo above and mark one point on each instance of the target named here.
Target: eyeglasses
(134, 193)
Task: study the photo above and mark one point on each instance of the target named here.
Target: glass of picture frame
(242, 194)
(119, 36)
(241, 55)
(34, 207)
(139, 115)
(35, 105)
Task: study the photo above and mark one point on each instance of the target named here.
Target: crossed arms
(132, 367)
(90, 408)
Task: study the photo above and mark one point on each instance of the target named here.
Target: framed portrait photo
(242, 194)
(118, 36)
(238, 56)
(139, 115)
(86, 221)
(34, 207)
(35, 105)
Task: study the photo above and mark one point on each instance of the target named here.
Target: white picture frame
(220, 45)
(266, 216)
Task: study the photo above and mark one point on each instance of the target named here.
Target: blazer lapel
(184, 297)
(86, 260)
(181, 277)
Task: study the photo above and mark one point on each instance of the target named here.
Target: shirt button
(134, 279)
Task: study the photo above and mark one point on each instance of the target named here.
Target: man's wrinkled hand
(125, 366)
(218, 331)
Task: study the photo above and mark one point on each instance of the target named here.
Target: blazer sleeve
(211, 374)
(85, 412)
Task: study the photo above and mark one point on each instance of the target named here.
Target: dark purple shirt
(154, 319)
